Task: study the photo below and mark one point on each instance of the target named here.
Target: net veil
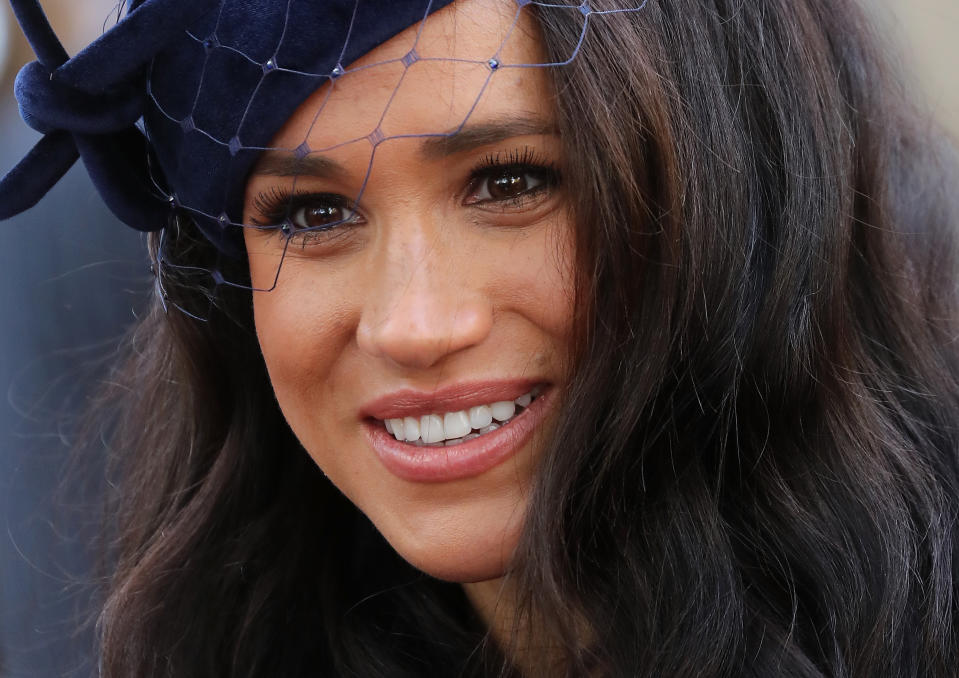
(221, 85)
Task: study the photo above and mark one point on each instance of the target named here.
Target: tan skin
(453, 265)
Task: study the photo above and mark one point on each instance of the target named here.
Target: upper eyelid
(267, 202)
(527, 156)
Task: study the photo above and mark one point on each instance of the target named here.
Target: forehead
(474, 60)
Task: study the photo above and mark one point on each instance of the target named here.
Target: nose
(425, 306)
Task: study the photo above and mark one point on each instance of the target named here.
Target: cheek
(537, 279)
(301, 334)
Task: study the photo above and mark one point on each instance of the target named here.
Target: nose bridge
(425, 303)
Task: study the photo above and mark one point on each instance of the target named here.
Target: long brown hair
(761, 474)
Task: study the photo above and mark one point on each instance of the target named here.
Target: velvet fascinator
(170, 108)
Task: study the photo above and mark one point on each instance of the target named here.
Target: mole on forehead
(471, 136)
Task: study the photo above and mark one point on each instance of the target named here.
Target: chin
(460, 556)
(460, 570)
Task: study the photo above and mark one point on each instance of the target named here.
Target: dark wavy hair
(761, 475)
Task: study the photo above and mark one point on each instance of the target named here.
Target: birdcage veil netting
(219, 82)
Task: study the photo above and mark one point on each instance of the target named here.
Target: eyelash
(277, 206)
(516, 162)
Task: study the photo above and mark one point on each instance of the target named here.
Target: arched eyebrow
(467, 138)
(480, 134)
(286, 164)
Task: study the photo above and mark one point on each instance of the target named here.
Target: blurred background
(71, 278)
(65, 301)
(926, 34)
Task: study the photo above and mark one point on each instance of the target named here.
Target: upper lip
(453, 398)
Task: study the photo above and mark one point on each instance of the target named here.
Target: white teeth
(456, 424)
(480, 416)
(457, 427)
(412, 428)
(431, 428)
(397, 428)
(503, 410)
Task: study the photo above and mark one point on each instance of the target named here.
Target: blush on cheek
(528, 274)
(301, 339)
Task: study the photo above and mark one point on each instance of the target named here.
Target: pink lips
(468, 459)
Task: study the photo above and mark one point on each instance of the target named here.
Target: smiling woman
(420, 252)
(504, 337)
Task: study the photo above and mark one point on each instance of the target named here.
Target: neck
(525, 641)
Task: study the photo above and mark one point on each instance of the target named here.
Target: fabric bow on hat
(87, 107)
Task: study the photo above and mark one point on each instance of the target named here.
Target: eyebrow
(433, 147)
(483, 134)
(286, 164)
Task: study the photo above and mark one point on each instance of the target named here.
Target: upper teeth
(455, 427)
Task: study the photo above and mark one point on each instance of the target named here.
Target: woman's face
(437, 292)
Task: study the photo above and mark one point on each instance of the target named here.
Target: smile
(454, 428)
(452, 445)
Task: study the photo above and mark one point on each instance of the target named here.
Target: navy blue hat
(212, 80)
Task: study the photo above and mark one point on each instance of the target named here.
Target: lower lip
(466, 460)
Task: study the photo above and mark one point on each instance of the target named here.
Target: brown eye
(509, 184)
(320, 215)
